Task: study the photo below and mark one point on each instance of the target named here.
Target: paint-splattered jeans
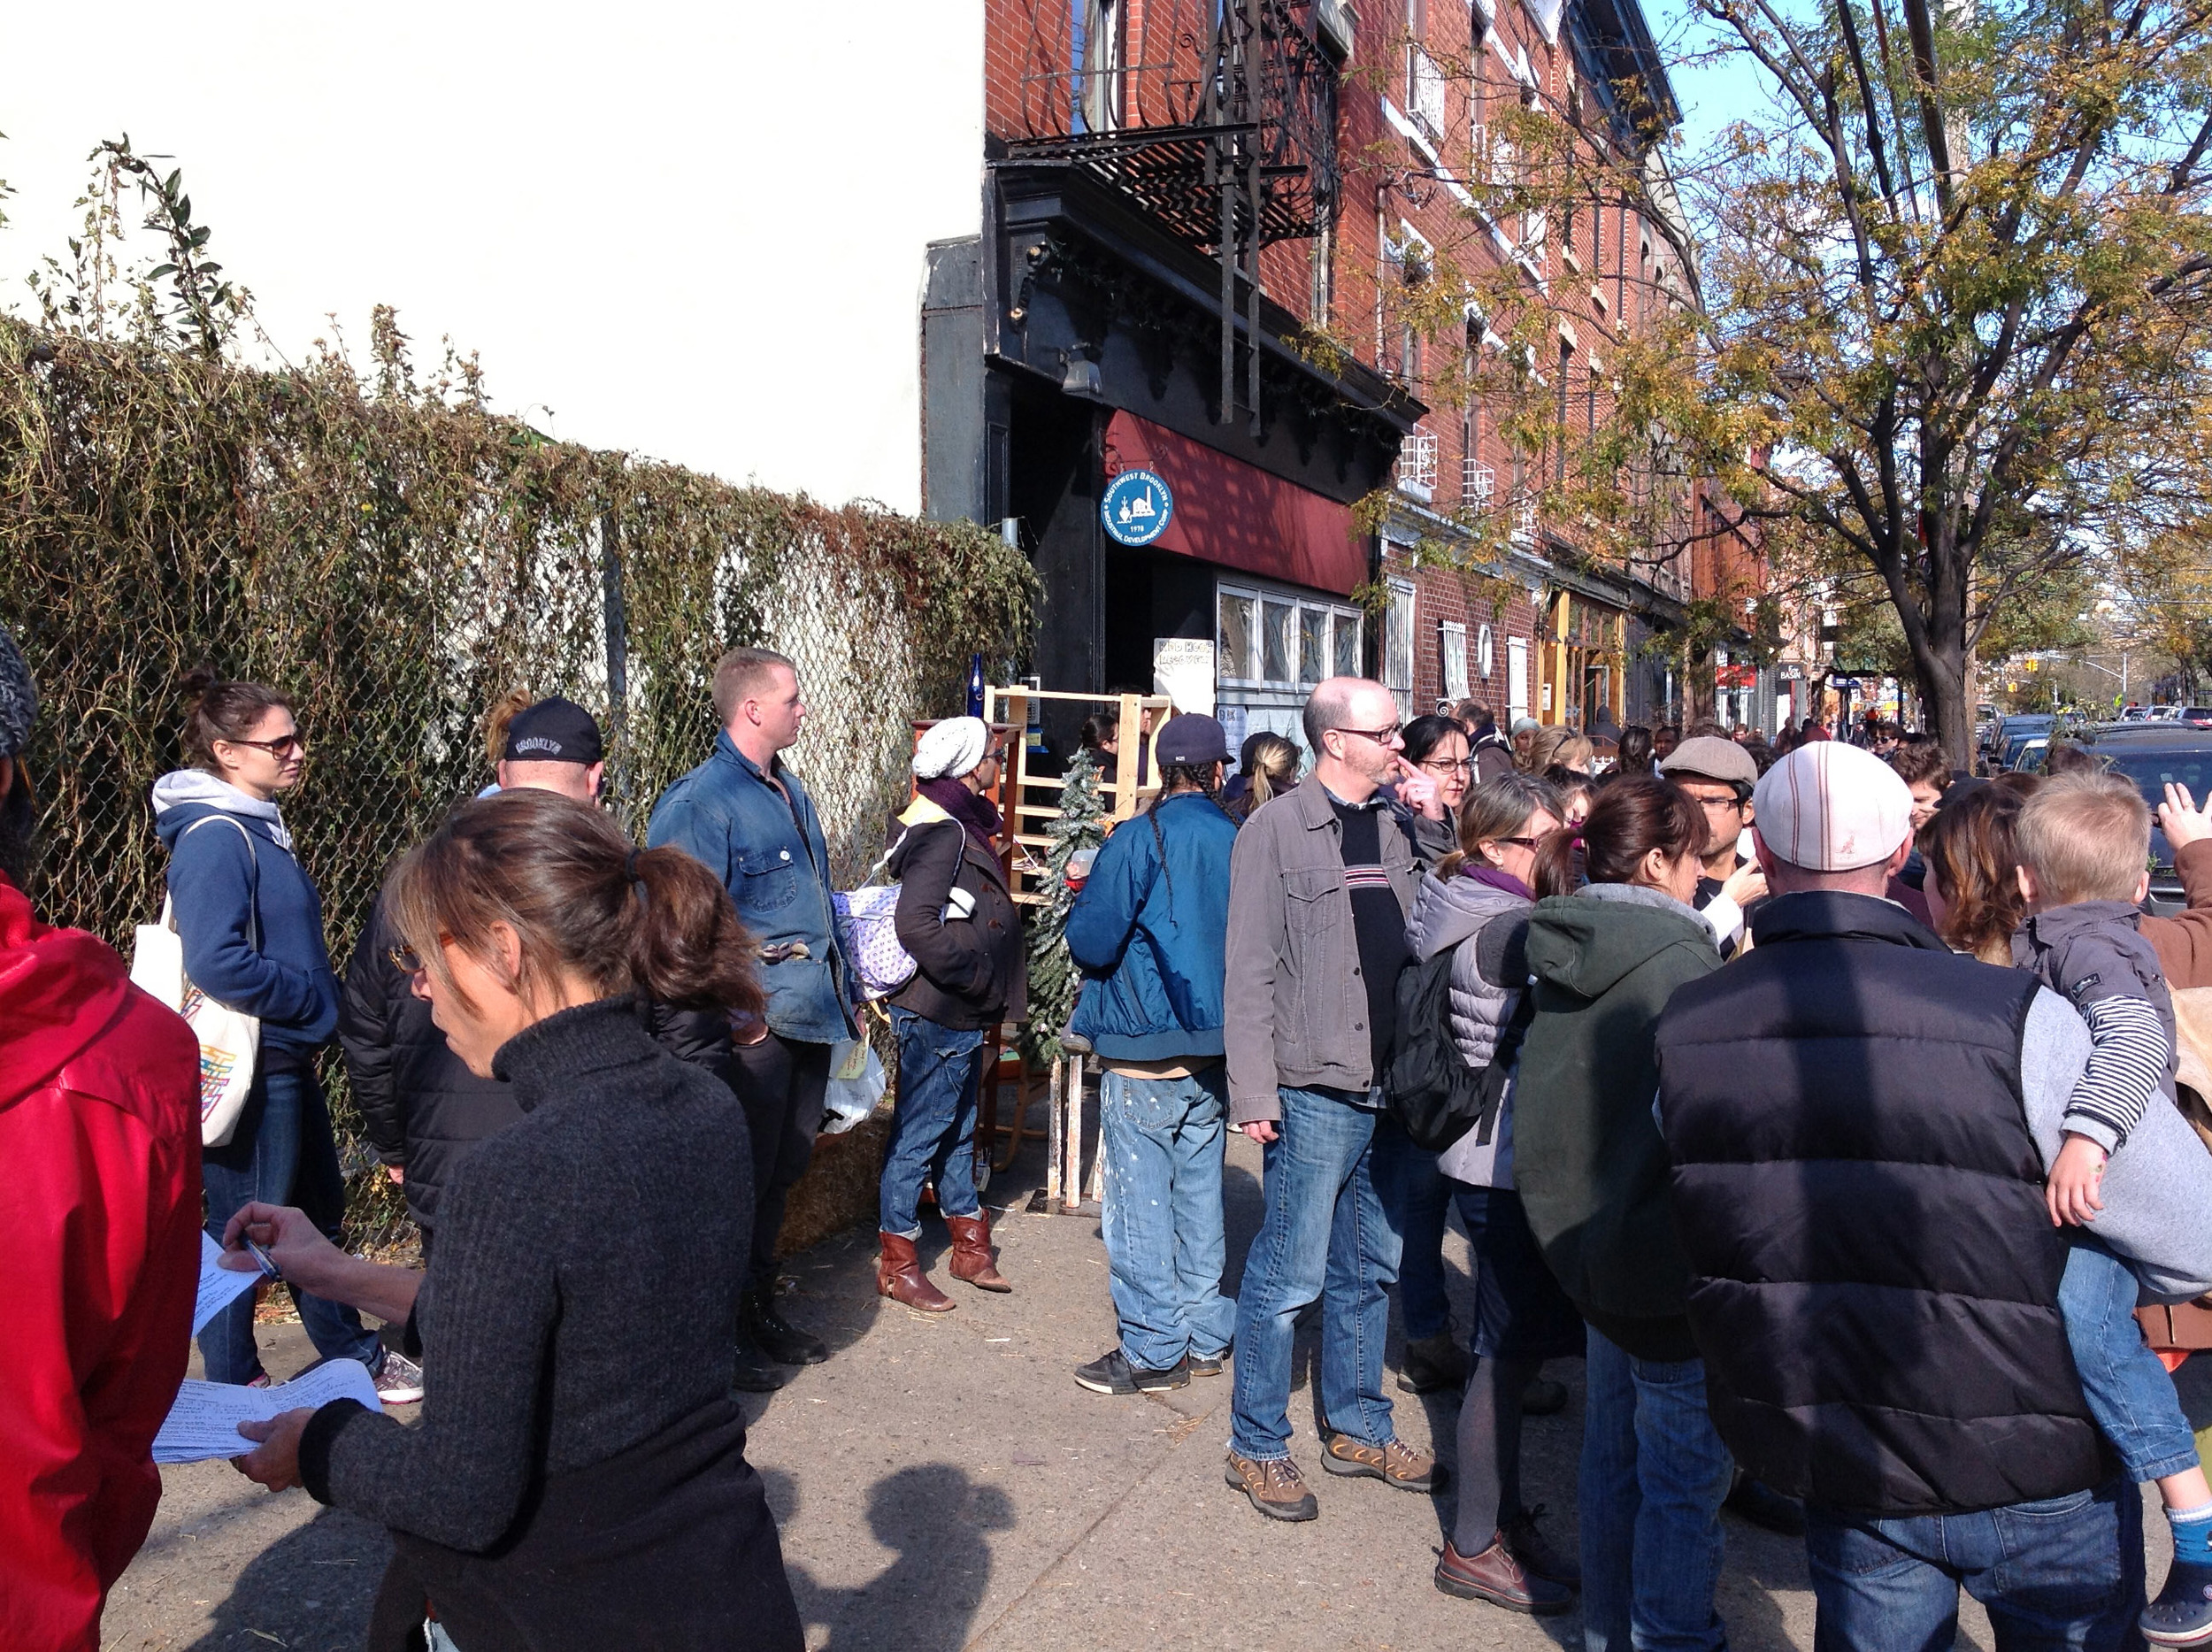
(1163, 1141)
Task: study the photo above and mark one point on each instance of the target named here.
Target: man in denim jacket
(746, 816)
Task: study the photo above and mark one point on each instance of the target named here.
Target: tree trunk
(1941, 670)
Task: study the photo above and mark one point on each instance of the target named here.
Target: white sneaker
(398, 1379)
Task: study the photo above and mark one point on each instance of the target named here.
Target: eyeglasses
(407, 961)
(1447, 765)
(1736, 804)
(1521, 842)
(1380, 736)
(284, 745)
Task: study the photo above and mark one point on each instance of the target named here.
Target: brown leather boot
(899, 1276)
(971, 1258)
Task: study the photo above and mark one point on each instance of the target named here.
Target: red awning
(1229, 512)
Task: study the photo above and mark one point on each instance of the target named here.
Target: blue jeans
(1162, 1140)
(282, 1152)
(2064, 1572)
(2129, 1391)
(1326, 1234)
(1418, 1196)
(1653, 1474)
(932, 1124)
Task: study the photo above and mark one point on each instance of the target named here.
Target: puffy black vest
(1874, 1276)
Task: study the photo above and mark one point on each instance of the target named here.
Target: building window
(1486, 653)
(1515, 678)
(1298, 641)
(1398, 645)
(1322, 291)
(1417, 464)
(1452, 649)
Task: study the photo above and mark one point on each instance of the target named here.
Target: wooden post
(1071, 1138)
(1052, 1138)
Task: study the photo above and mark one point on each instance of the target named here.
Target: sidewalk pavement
(941, 1483)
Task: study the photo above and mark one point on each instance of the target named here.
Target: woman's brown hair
(217, 710)
(1497, 809)
(580, 898)
(1972, 848)
(1632, 817)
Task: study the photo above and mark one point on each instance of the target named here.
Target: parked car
(2151, 755)
(2197, 715)
(2014, 732)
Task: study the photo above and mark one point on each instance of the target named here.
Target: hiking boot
(775, 1335)
(971, 1258)
(1112, 1373)
(1275, 1487)
(1765, 1506)
(1543, 1398)
(2182, 1614)
(1433, 1363)
(398, 1379)
(1395, 1464)
(1209, 1365)
(1536, 1552)
(899, 1276)
(1496, 1576)
(754, 1371)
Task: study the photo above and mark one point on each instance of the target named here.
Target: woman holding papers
(580, 1479)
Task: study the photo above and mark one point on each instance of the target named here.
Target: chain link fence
(395, 560)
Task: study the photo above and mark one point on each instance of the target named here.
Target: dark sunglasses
(1524, 843)
(283, 746)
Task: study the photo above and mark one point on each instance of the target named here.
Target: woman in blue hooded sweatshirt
(253, 928)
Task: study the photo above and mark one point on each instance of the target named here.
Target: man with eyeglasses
(1320, 883)
(1719, 776)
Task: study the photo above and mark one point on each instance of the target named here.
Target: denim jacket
(774, 860)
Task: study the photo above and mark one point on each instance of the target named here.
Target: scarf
(1497, 878)
(976, 814)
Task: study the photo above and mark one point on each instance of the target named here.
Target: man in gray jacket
(1319, 886)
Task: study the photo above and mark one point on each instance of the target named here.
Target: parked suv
(2151, 755)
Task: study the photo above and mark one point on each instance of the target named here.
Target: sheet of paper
(203, 1422)
(219, 1286)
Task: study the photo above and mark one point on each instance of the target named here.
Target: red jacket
(99, 1268)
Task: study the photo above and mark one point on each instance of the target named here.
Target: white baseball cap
(1829, 807)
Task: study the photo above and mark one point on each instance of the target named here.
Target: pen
(268, 1266)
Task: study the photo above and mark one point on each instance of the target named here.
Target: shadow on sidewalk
(936, 1518)
(310, 1589)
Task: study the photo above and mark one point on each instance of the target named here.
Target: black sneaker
(1112, 1373)
(1433, 1363)
(1209, 1365)
(756, 1372)
(775, 1335)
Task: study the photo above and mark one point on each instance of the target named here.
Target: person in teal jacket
(1150, 930)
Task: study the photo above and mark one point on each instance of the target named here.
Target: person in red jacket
(99, 1230)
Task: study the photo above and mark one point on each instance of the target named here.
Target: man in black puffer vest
(1858, 1120)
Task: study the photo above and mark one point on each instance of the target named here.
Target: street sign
(1137, 508)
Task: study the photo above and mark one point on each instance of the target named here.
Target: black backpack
(1435, 1096)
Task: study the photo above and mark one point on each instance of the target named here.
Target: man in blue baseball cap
(1150, 930)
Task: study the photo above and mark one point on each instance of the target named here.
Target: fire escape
(1217, 117)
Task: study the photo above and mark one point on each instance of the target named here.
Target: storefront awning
(1230, 513)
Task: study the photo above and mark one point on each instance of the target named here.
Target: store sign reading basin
(1137, 508)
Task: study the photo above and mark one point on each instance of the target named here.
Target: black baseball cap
(1191, 739)
(553, 731)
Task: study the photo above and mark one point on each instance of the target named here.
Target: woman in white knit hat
(956, 916)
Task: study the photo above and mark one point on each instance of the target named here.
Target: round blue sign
(1136, 508)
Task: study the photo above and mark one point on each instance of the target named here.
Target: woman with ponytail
(1604, 957)
(581, 1481)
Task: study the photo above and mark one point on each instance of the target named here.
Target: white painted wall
(691, 230)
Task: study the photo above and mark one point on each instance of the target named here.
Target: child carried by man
(2083, 844)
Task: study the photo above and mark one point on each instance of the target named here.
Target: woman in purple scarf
(956, 916)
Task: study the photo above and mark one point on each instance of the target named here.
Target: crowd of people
(1829, 1104)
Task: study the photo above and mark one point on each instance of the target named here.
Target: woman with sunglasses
(251, 925)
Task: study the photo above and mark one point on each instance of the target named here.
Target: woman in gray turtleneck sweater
(579, 1480)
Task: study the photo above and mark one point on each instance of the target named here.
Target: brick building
(1199, 219)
